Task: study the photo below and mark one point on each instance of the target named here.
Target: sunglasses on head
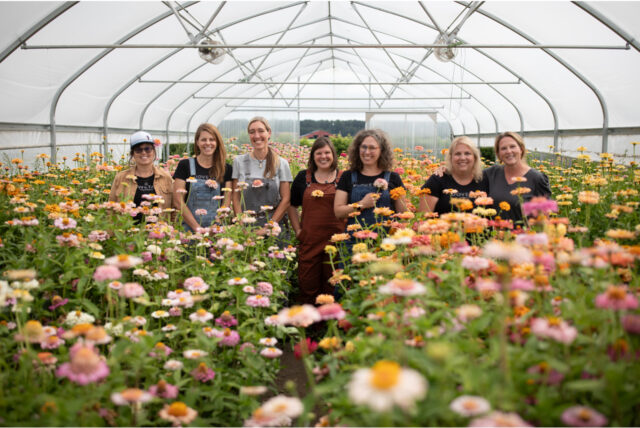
(143, 149)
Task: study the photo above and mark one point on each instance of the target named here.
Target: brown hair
(385, 161)
(477, 163)
(318, 144)
(273, 160)
(519, 140)
(219, 155)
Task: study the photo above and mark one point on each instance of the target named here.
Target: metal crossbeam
(324, 46)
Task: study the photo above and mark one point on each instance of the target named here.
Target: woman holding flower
(314, 189)
(514, 179)
(462, 177)
(262, 176)
(199, 180)
(370, 180)
(143, 180)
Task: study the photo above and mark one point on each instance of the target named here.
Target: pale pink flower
(163, 390)
(271, 352)
(237, 281)
(554, 328)
(331, 311)
(107, 273)
(203, 373)
(249, 289)
(522, 284)
(582, 416)
(381, 184)
(178, 413)
(258, 301)
(196, 284)
(228, 337)
(468, 312)
(469, 405)
(201, 212)
(86, 365)
(123, 261)
(264, 288)
(403, 287)
(201, 315)
(63, 223)
(499, 419)
(299, 316)
(475, 263)
(194, 354)
(131, 290)
(268, 341)
(130, 396)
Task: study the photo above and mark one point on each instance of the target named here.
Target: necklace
(260, 161)
(327, 180)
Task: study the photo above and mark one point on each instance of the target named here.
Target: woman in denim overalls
(266, 176)
(370, 159)
(205, 174)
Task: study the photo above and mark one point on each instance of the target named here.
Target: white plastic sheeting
(534, 90)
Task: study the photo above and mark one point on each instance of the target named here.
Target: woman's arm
(179, 186)
(294, 218)
(400, 205)
(427, 203)
(226, 202)
(285, 195)
(341, 207)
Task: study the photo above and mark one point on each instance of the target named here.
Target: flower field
(454, 321)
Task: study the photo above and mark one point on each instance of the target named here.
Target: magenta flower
(86, 365)
(617, 298)
(582, 416)
(203, 373)
(164, 390)
(57, 302)
(107, 273)
(540, 205)
(631, 323)
(226, 320)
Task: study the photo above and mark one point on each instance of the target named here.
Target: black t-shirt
(183, 172)
(346, 185)
(145, 187)
(298, 186)
(438, 184)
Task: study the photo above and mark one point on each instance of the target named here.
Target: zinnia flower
(123, 261)
(107, 273)
(387, 384)
(86, 365)
(499, 419)
(616, 298)
(164, 390)
(469, 405)
(178, 413)
(554, 328)
(203, 373)
(201, 315)
(258, 301)
(299, 316)
(403, 287)
(581, 416)
(130, 396)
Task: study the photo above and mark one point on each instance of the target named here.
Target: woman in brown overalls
(314, 189)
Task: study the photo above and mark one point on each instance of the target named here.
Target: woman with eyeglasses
(314, 189)
(143, 183)
(262, 179)
(199, 180)
(369, 182)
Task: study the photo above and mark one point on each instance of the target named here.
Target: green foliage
(305, 142)
(341, 143)
(488, 153)
(344, 127)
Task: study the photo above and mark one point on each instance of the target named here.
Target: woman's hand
(369, 200)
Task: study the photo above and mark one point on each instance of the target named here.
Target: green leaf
(584, 385)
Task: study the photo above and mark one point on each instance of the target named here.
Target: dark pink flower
(203, 373)
(540, 205)
(304, 348)
(164, 390)
(617, 298)
(582, 416)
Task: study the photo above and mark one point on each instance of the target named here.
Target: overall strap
(246, 161)
(338, 176)
(387, 176)
(192, 167)
(354, 178)
(308, 177)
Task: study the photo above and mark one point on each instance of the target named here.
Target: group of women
(332, 201)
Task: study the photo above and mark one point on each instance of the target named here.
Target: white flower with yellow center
(387, 384)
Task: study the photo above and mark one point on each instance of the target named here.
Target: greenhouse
(176, 249)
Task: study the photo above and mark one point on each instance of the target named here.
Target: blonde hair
(273, 160)
(219, 155)
(518, 139)
(477, 162)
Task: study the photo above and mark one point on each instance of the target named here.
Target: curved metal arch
(35, 28)
(587, 82)
(608, 23)
(522, 79)
(91, 63)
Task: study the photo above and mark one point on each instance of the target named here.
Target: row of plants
(439, 321)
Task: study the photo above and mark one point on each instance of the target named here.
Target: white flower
(299, 316)
(173, 365)
(201, 315)
(78, 317)
(387, 384)
(281, 405)
(402, 287)
(154, 249)
(268, 341)
(194, 354)
(469, 405)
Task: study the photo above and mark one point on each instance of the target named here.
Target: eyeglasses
(369, 148)
(143, 149)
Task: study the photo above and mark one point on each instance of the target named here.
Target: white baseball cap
(139, 138)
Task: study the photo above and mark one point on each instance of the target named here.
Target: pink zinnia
(475, 263)
(107, 273)
(226, 320)
(196, 284)
(554, 328)
(203, 373)
(164, 390)
(381, 184)
(631, 323)
(86, 365)
(331, 311)
(365, 234)
(264, 288)
(131, 290)
(228, 337)
(540, 205)
(616, 298)
(258, 301)
(522, 284)
(581, 416)
(63, 223)
(499, 419)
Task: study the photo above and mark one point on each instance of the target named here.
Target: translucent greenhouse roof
(105, 68)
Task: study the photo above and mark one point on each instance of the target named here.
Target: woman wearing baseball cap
(143, 180)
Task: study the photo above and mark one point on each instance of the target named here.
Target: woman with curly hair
(369, 182)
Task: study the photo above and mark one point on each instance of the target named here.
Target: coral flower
(616, 298)
(86, 365)
(387, 384)
(581, 416)
(178, 413)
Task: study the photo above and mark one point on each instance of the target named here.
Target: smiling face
(323, 158)
(144, 154)
(369, 152)
(207, 143)
(462, 159)
(509, 151)
(259, 135)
